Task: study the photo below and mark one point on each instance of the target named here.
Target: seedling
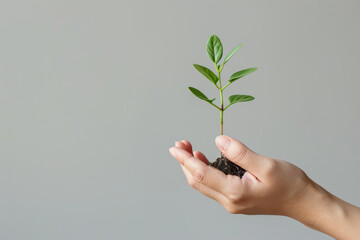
(215, 51)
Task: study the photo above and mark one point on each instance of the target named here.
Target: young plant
(215, 51)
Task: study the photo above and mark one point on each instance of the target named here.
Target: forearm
(326, 213)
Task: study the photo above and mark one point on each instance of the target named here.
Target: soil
(228, 167)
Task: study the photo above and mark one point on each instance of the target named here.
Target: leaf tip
(213, 36)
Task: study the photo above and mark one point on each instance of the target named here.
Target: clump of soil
(228, 167)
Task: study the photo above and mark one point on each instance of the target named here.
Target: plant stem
(221, 113)
(221, 101)
(215, 105)
(226, 86)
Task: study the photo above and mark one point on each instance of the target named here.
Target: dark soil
(228, 167)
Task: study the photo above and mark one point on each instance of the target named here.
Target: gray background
(93, 93)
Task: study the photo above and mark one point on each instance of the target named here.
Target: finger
(249, 178)
(241, 155)
(199, 155)
(184, 145)
(203, 188)
(201, 172)
(181, 145)
(187, 145)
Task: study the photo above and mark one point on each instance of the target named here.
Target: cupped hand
(269, 186)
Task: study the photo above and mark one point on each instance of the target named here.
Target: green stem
(226, 86)
(221, 113)
(214, 105)
(227, 107)
(221, 101)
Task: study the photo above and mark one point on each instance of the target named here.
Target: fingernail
(222, 142)
(172, 152)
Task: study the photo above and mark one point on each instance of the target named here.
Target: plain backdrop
(93, 93)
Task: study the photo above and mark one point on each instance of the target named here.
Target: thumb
(241, 155)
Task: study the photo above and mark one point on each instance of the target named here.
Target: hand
(270, 186)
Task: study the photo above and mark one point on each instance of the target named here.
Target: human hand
(269, 186)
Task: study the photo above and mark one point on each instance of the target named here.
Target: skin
(270, 186)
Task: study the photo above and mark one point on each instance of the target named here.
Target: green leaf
(227, 58)
(200, 95)
(241, 74)
(240, 98)
(214, 48)
(207, 73)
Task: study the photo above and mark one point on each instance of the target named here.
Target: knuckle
(302, 175)
(272, 166)
(231, 209)
(234, 198)
(199, 175)
(192, 183)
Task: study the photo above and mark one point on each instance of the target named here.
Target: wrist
(316, 207)
(324, 212)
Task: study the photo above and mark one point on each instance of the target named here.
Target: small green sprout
(215, 51)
